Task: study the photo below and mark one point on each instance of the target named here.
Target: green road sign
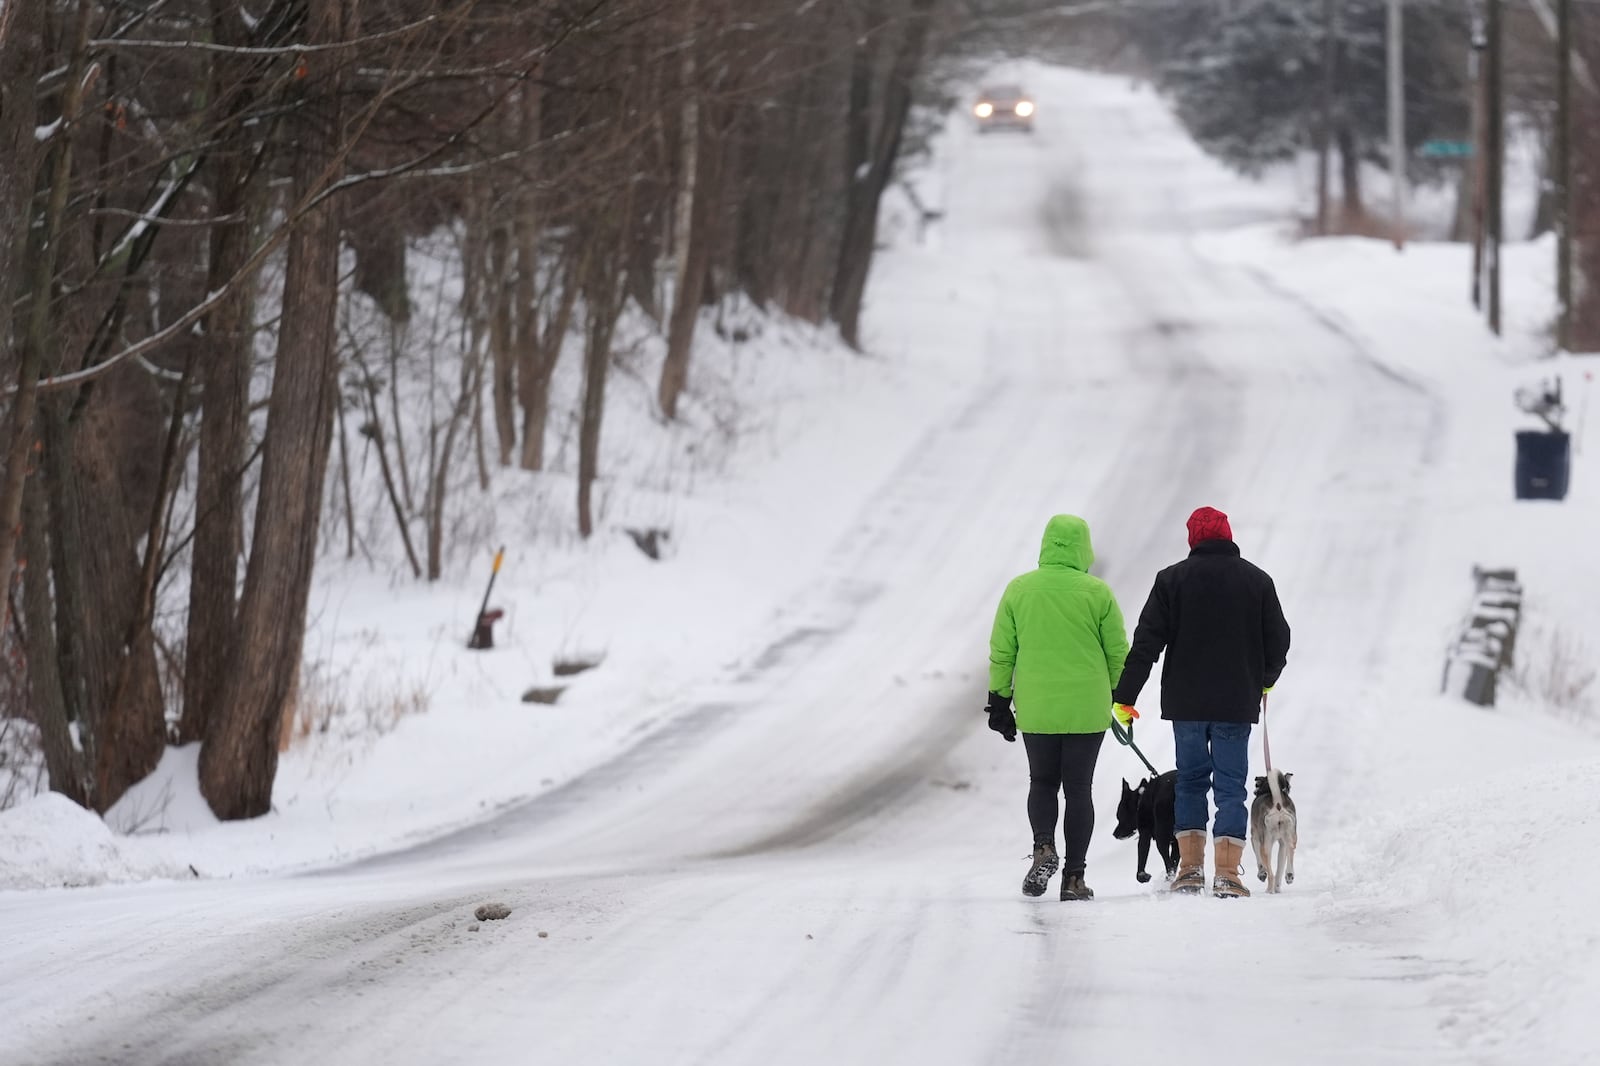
(1446, 150)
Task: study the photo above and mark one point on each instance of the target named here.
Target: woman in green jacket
(1057, 649)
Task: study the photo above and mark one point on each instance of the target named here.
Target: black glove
(1001, 720)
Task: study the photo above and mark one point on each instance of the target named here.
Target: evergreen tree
(1249, 86)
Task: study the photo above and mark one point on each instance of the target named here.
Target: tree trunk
(474, 305)
(537, 349)
(370, 388)
(602, 292)
(596, 363)
(1350, 176)
(22, 25)
(109, 685)
(869, 182)
(693, 262)
(501, 287)
(343, 437)
(65, 556)
(137, 707)
(110, 682)
(855, 241)
(439, 486)
(688, 235)
(1545, 205)
(61, 757)
(539, 366)
(224, 419)
(1585, 325)
(219, 507)
(395, 332)
(240, 756)
(1461, 218)
(21, 60)
(1329, 81)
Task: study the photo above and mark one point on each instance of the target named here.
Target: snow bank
(168, 801)
(1470, 861)
(1474, 864)
(51, 842)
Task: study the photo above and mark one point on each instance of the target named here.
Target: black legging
(1063, 763)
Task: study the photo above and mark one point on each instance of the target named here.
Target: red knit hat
(1208, 523)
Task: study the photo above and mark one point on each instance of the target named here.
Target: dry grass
(1354, 224)
(1557, 668)
(325, 702)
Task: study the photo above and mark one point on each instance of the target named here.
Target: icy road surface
(819, 863)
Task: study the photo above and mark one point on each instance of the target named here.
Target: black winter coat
(1220, 623)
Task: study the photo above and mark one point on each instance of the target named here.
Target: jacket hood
(1066, 543)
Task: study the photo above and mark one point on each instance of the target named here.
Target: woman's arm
(1003, 647)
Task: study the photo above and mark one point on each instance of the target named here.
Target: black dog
(1148, 811)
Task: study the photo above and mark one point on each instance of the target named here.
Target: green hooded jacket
(1059, 639)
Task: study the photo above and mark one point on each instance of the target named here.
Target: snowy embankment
(1473, 855)
(51, 842)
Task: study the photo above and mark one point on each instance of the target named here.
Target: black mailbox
(1544, 462)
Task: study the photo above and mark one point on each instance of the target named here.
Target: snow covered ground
(772, 827)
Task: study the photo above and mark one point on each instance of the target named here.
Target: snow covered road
(817, 860)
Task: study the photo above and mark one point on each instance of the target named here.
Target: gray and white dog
(1272, 823)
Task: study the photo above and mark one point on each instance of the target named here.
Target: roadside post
(482, 637)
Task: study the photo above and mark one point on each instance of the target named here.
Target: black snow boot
(1073, 888)
(1045, 864)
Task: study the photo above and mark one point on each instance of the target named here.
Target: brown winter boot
(1073, 888)
(1228, 884)
(1045, 864)
(1191, 879)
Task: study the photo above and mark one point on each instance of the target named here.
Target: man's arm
(1149, 641)
(1274, 635)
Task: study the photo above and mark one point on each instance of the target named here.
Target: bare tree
(603, 293)
(693, 204)
(21, 61)
(239, 758)
(879, 107)
(1585, 328)
(225, 381)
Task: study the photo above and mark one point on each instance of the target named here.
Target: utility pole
(1496, 169)
(1397, 118)
(1325, 132)
(1563, 168)
(1480, 171)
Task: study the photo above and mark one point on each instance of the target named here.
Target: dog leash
(1126, 740)
(1266, 741)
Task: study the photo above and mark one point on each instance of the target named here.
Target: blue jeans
(1212, 756)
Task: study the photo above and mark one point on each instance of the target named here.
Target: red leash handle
(1266, 741)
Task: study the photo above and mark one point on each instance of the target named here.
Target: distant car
(1004, 107)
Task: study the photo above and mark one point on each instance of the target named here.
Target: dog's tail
(1274, 780)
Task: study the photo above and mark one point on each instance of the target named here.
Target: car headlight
(983, 110)
(1024, 108)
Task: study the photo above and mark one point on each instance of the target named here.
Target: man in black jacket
(1220, 623)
